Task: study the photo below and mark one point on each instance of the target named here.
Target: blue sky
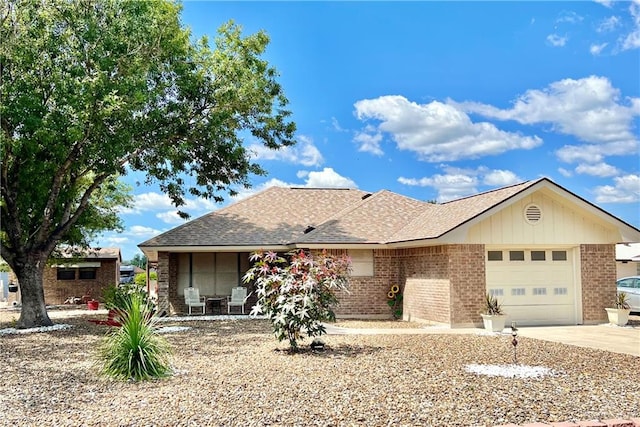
(438, 100)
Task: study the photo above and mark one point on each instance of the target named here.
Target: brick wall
(424, 273)
(598, 281)
(367, 296)
(442, 284)
(57, 291)
(467, 284)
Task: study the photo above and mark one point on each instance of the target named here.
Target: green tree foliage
(140, 279)
(297, 292)
(139, 260)
(91, 90)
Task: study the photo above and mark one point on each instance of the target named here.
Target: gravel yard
(234, 373)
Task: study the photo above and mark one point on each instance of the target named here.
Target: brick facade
(440, 284)
(58, 291)
(367, 296)
(598, 275)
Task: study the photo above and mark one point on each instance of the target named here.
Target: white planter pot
(618, 316)
(494, 322)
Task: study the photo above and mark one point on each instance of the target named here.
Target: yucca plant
(622, 301)
(135, 350)
(491, 305)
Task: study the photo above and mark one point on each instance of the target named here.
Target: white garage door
(535, 287)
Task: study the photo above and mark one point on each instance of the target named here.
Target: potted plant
(493, 317)
(619, 314)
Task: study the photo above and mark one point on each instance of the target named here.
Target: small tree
(297, 292)
(92, 90)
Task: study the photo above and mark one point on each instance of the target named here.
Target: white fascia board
(94, 264)
(341, 246)
(187, 249)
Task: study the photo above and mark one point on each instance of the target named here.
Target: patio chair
(237, 299)
(192, 299)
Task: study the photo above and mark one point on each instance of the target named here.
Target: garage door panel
(539, 315)
(534, 292)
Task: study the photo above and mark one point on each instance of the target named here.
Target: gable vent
(533, 214)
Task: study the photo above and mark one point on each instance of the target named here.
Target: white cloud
(625, 190)
(456, 182)
(369, 140)
(598, 169)
(608, 24)
(449, 186)
(170, 217)
(141, 231)
(151, 202)
(303, 153)
(336, 125)
(596, 49)
(588, 108)
(556, 40)
(569, 17)
(565, 173)
(632, 40)
(435, 131)
(592, 153)
(605, 3)
(328, 178)
(501, 178)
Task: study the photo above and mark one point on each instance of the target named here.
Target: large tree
(93, 89)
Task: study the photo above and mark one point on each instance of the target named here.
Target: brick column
(598, 274)
(163, 282)
(468, 284)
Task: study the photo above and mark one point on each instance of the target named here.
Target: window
(518, 292)
(560, 291)
(361, 262)
(538, 255)
(496, 292)
(87, 273)
(66, 274)
(494, 256)
(559, 255)
(539, 291)
(516, 255)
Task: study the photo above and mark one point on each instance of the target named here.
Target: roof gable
(447, 216)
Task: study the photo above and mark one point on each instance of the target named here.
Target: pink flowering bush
(297, 291)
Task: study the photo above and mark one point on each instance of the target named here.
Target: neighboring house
(548, 254)
(628, 259)
(79, 276)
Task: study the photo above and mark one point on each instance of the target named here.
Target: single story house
(78, 276)
(546, 253)
(628, 259)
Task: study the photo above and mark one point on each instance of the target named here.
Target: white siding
(562, 223)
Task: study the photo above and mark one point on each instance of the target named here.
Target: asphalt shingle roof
(284, 216)
(276, 216)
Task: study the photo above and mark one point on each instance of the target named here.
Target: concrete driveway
(617, 339)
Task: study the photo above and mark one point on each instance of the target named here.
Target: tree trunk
(34, 311)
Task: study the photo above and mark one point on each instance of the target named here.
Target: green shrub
(297, 292)
(117, 297)
(135, 350)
